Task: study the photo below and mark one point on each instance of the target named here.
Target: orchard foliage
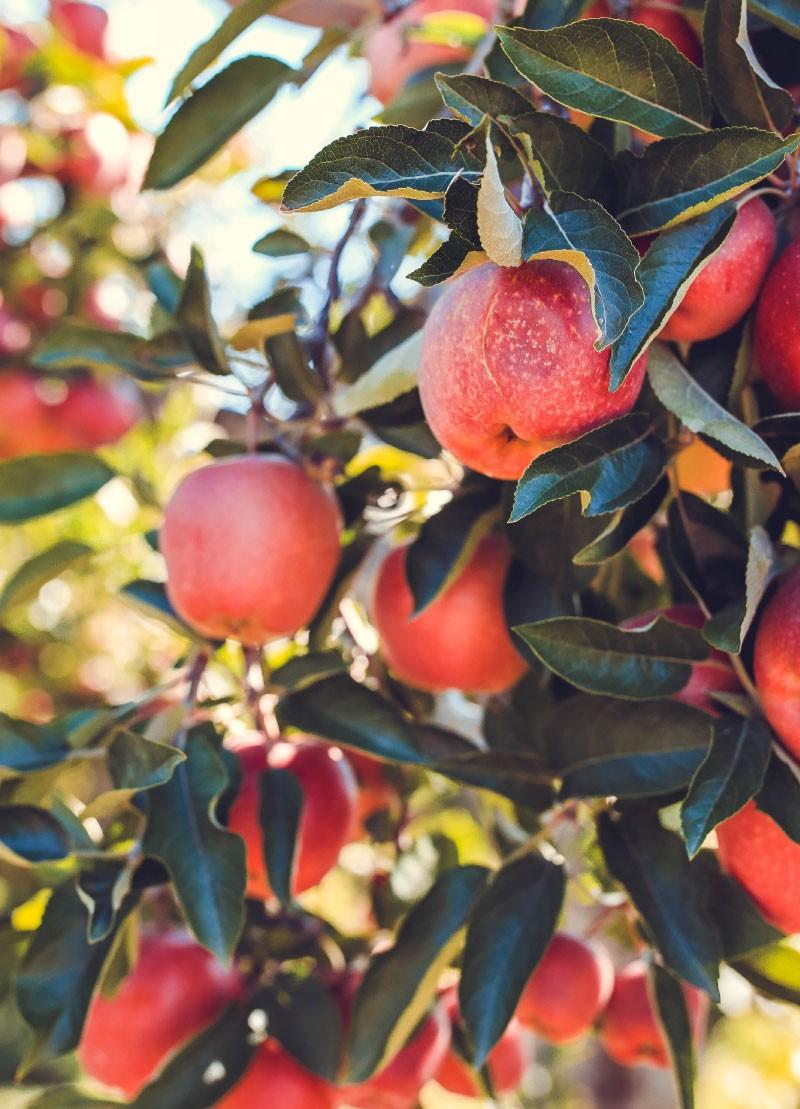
(602, 563)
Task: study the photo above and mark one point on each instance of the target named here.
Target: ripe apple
(42, 303)
(25, 425)
(715, 675)
(328, 819)
(398, 1084)
(701, 470)
(328, 13)
(727, 286)
(274, 1080)
(568, 990)
(777, 661)
(508, 367)
(94, 414)
(175, 989)
(506, 1060)
(777, 329)
(394, 56)
(15, 49)
(97, 155)
(629, 1030)
(251, 546)
(756, 851)
(460, 641)
(375, 791)
(83, 25)
(13, 153)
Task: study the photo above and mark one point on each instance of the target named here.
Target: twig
(318, 343)
(194, 675)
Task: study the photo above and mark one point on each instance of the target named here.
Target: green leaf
(614, 69)
(471, 98)
(597, 657)
(134, 764)
(304, 1017)
(703, 540)
(281, 243)
(728, 629)
(627, 523)
(57, 977)
(349, 713)
(280, 813)
(70, 1097)
(564, 158)
(102, 888)
(150, 597)
(509, 930)
(680, 394)
(779, 797)
(209, 117)
(583, 234)
(32, 834)
(606, 747)
(42, 483)
(743, 90)
(196, 321)
(28, 579)
(380, 161)
(288, 358)
(184, 1080)
(205, 862)
(26, 747)
(515, 772)
(731, 774)
(165, 285)
(678, 179)
(71, 346)
(673, 1016)
(208, 51)
(782, 13)
(401, 983)
(665, 273)
(616, 464)
(446, 543)
(741, 926)
(390, 377)
(774, 971)
(667, 891)
(303, 670)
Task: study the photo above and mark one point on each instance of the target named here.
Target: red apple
(15, 335)
(328, 13)
(508, 367)
(727, 286)
(568, 990)
(755, 851)
(251, 546)
(25, 423)
(460, 641)
(175, 989)
(42, 303)
(94, 414)
(328, 816)
(274, 1080)
(506, 1060)
(394, 56)
(777, 661)
(777, 329)
(83, 25)
(15, 49)
(13, 153)
(97, 155)
(375, 791)
(630, 1031)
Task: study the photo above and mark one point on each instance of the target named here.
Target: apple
(42, 303)
(506, 1060)
(629, 1030)
(97, 155)
(15, 335)
(508, 367)
(328, 13)
(394, 56)
(568, 990)
(728, 284)
(756, 851)
(25, 424)
(94, 414)
(83, 25)
(776, 661)
(777, 329)
(15, 49)
(328, 818)
(251, 545)
(274, 1080)
(176, 988)
(375, 791)
(13, 153)
(460, 641)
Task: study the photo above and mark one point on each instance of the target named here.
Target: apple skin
(94, 414)
(756, 851)
(776, 661)
(251, 546)
(460, 641)
(568, 990)
(715, 675)
(629, 1030)
(26, 426)
(398, 1084)
(97, 155)
(727, 286)
(175, 989)
(274, 1080)
(508, 367)
(328, 13)
(506, 1060)
(328, 819)
(375, 791)
(393, 59)
(777, 329)
(15, 49)
(84, 25)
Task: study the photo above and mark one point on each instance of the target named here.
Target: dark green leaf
(196, 322)
(471, 98)
(708, 550)
(42, 483)
(205, 862)
(165, 285)
(103, 888)
(508, 933)
(614, 69)
(304, 1017)
(71, 346)
(136, 763)
(294, 375)
(32, 834)
(741, 926)
(779, 797)
(401, 983)
(728, 629)
(563, 157)
(665, 272)
(28, 579)
(627, 523)
(151, 598)
(667, 891)
(583, 234)
(280, 812)
(602, 658)
(26, 747)
(281, 243)
(673, 1016)
(616, 464)
(606, 747)
(732, 773)
(209, 117)
(304, 670)
(544, 540)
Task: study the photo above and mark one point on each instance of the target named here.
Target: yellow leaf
(252, 334)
